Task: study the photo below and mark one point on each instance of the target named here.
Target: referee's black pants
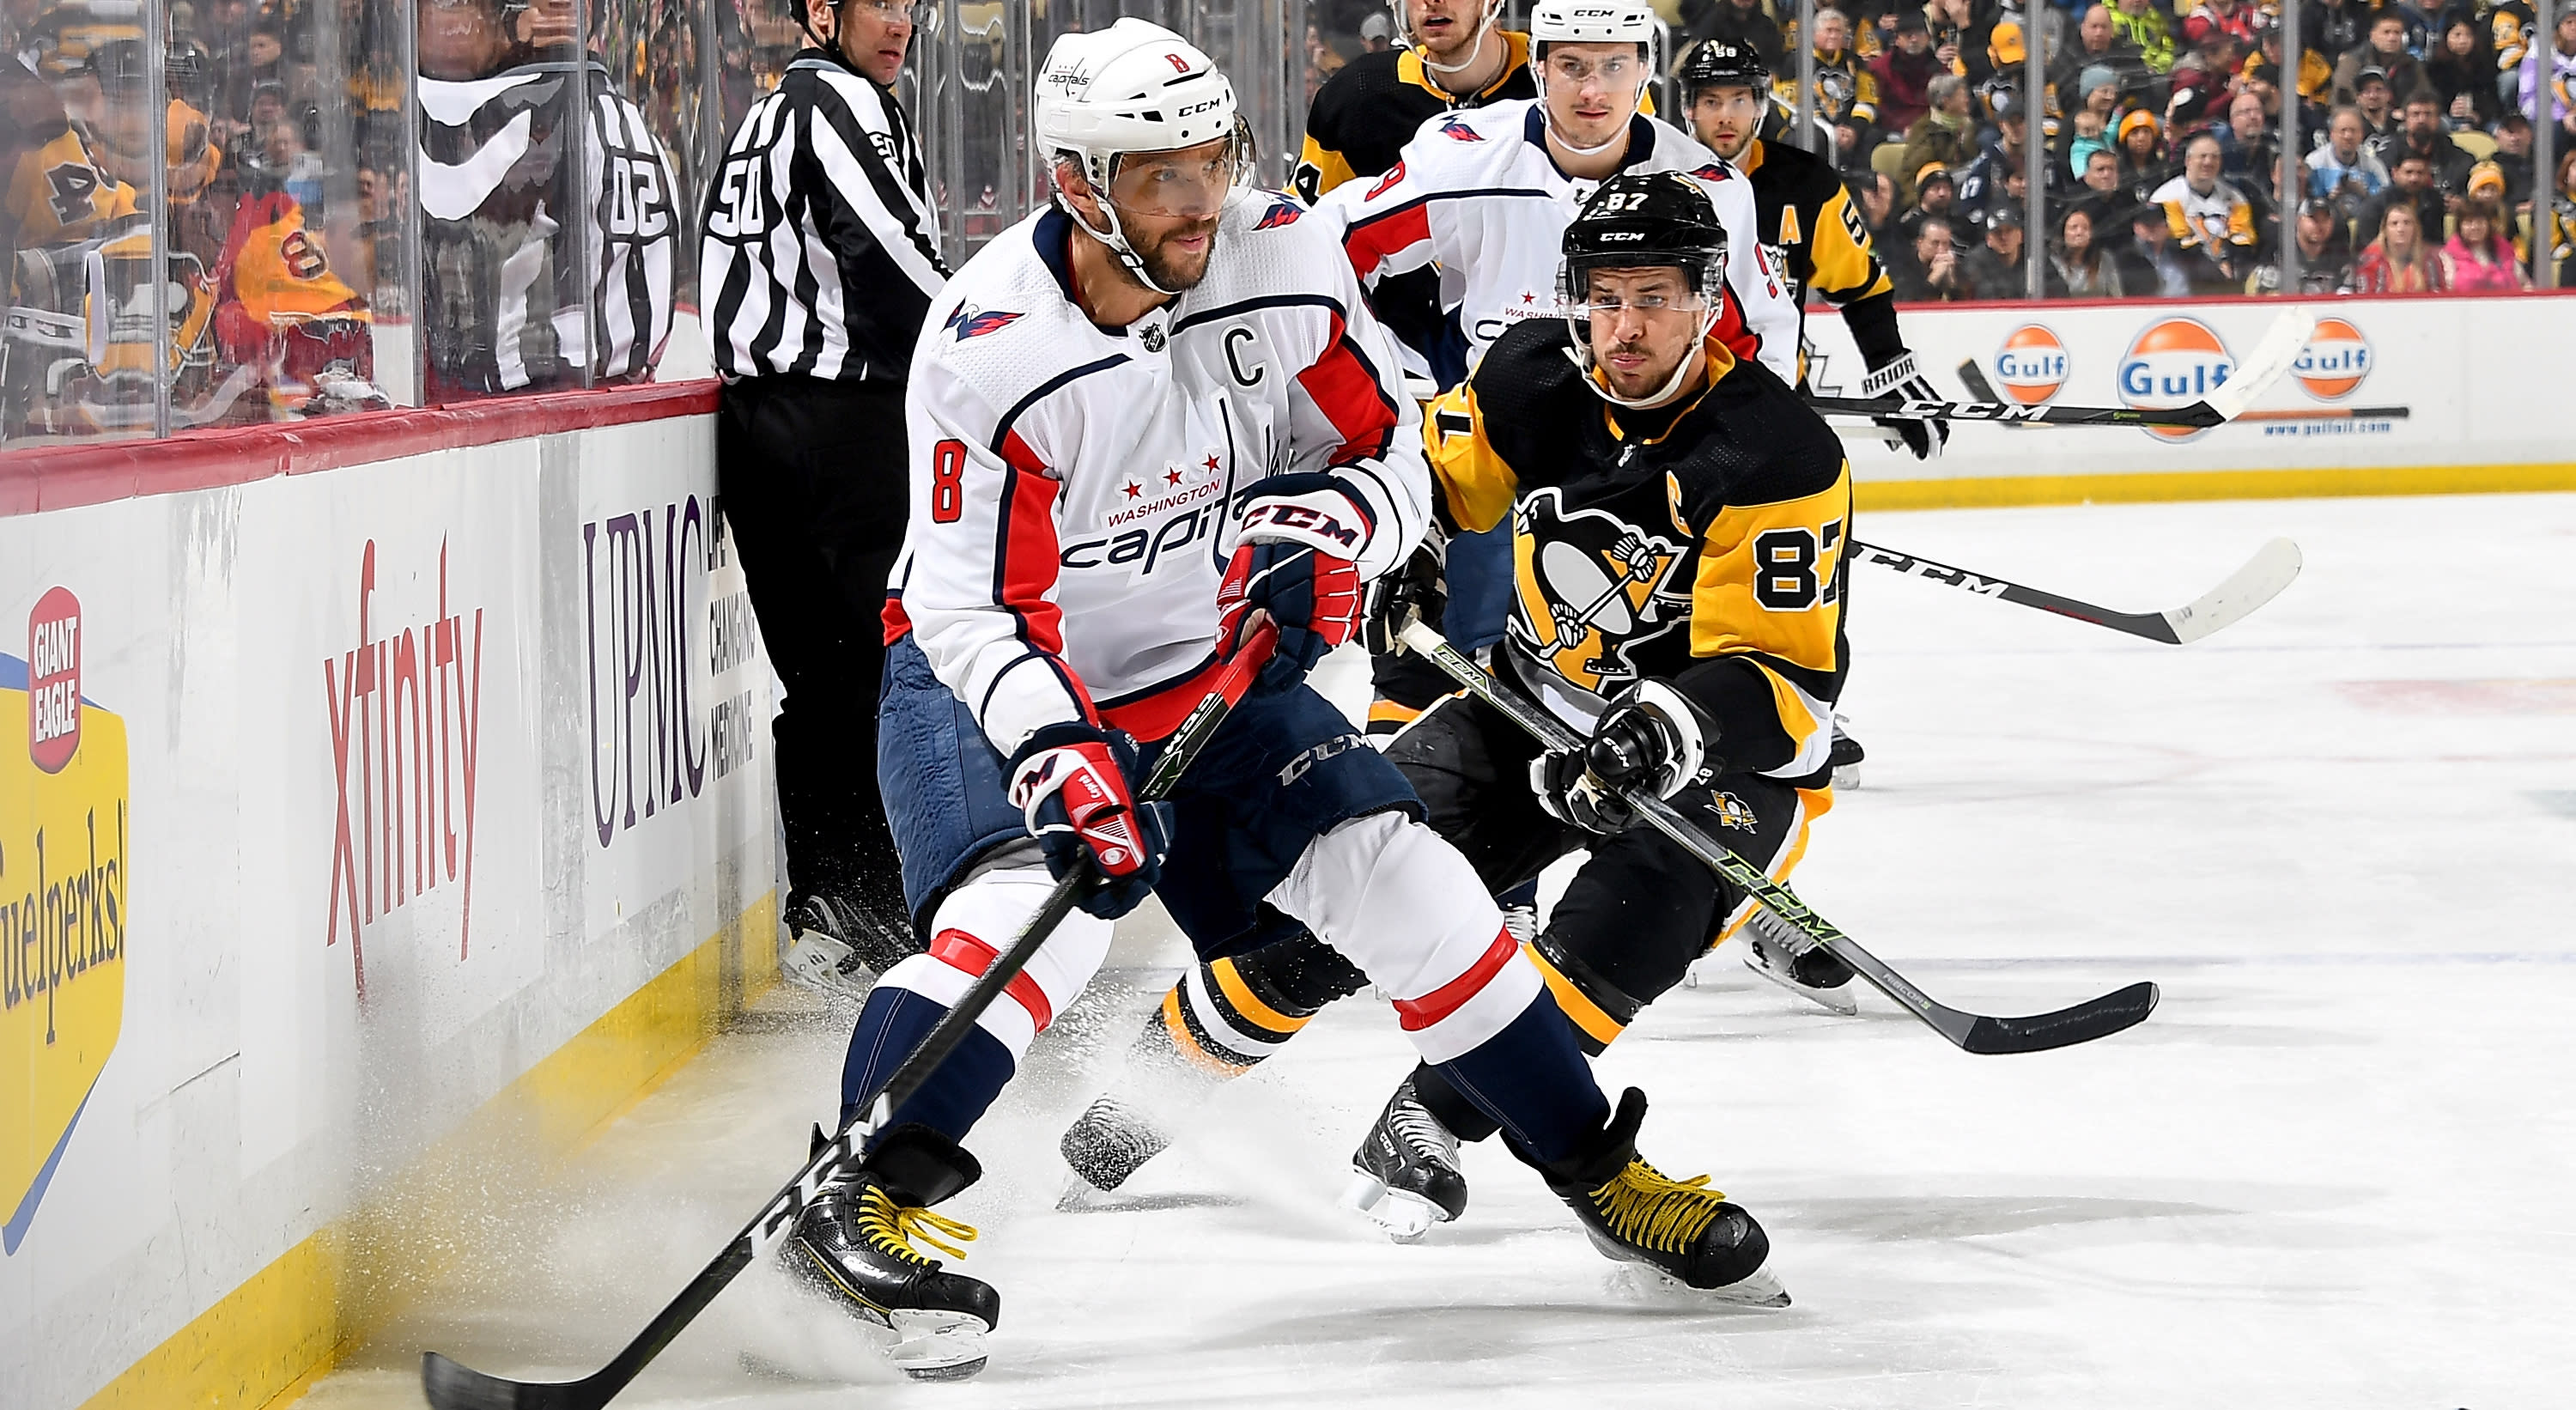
(813, 478)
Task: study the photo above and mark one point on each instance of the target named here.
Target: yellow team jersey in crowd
(1700, 543)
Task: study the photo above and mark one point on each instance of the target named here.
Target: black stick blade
(448, 1385)
(2094, 1018)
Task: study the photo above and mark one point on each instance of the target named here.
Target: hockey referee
(820, 260)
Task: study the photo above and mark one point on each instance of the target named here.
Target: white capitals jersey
(1477, 193)
(1075, 488)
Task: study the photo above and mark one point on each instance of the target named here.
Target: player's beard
(1644, 381)
(1174, 271)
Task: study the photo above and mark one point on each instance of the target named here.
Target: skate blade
(1837, 1000)
(938, 1346)
(1402, 1216)
(1761, 1288)
(814, 962)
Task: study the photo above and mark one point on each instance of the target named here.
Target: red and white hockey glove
(1297, 562)
(1070, 784)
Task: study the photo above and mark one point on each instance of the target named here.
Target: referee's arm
(863, 202)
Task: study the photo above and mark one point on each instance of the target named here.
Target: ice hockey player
(1484, 195)
(1138, 419)
(1807, 224)
(1366, 112)
(1680, 518)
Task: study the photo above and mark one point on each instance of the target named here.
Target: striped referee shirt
(821, 254)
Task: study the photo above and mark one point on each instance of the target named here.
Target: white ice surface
(2333, 1170)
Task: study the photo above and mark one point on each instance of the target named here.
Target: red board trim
(43, 478)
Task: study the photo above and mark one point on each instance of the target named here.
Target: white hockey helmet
(1593, 22)
(1133, 87)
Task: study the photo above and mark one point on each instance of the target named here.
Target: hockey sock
(1226, 1016)
(1465, 1120)
(1533, 1082)
(953, 1100)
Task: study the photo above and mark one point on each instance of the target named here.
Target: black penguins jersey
(1699, 544)
(1364, 114)
(1813, 232)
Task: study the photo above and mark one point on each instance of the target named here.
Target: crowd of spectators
(2162, 123)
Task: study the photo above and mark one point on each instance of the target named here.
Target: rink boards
(385, 803)
(2392, 395)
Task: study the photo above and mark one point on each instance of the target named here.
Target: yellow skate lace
(892, 1227)
(1651, 1209)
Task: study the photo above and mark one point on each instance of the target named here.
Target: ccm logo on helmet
(1194, 109)
(1613, 236)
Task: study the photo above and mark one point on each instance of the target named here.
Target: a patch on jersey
(971, 322)
(1791, 233)
(1393, 175)
(1280, 213)
(1714, 171)
(1733, 812)
(1457, 130)
(1589, 588)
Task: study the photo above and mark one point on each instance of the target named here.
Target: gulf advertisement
(2379, 385)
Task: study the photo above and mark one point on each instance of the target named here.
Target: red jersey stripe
(1349, 396)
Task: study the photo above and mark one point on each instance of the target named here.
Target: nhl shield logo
(1589, 588)
(1154, 337)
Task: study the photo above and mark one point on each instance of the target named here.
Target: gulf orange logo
(2031, 365)
(2175, 362)
(2334, 363)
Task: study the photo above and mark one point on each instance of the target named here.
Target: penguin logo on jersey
(1734, 812)
(1590, 587)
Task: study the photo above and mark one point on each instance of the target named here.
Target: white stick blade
(2263, 577)
(2267, 364)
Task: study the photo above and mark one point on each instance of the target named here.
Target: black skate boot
(855, 1242)
(1407, 1177)
(1681, 1229)
(1790, 958)
(1845, 757)
(1110, 1141)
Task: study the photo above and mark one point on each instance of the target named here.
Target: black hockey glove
(1924, 436)
(1417, 590)
(1652, 740)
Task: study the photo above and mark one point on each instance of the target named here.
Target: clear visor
(1189, 183)
(1613, 73)
(1611, 306)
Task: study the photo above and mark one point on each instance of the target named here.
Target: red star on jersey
(1211, 464)
(1172, 477)
(1134, 489)
(1528, 298)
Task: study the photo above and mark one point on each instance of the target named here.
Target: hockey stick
(2251, 378)
(1974, 378)
(2261, 579)
(1976, 1033)
(450, 1385)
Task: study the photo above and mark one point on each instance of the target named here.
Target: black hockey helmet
(1723, 63)
(1644, 218)
(1641, 220)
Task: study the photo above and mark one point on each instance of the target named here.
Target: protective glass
(913, 12)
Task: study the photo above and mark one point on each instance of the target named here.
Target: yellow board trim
(266, 1341)
(1999, 491)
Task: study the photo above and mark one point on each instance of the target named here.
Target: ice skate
(1109, 1142)
(1845, 757)
(1781, 953)
(855, 1242)
(1681, 1229)
(1405, 1174)
(839, 946)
